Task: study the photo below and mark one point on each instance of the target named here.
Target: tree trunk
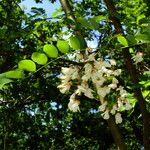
(118, 138)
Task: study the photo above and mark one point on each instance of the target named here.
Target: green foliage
(14, 74)
(50, 50)
(74, 42)
(4, 81)
(39, 58)
(63, 46)
(27, 65)
(122, 40)
(57, 12)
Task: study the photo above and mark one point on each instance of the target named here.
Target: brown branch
(118, 138)
(133, 74)
(67, 9)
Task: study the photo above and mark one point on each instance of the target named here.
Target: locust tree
(79, 79)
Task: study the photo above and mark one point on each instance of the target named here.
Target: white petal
(113, 62)
(118, 118)
(106, 115)
(74, 105)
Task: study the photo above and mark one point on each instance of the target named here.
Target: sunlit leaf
(84, 22)
(27, 65)
(4, 81)
(39, 58)
(142, 37)
(122, 40)
(94, 24)
(100, 17)
(82, 42)
(74, 42)
(63, 46)
(50, 50)
(16, 74)
(131, 40)
(57, 12)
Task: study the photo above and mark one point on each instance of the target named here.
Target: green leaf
(63, 46)
(74, 42)
(122, 40)
(39, 58)
(4, 81)
(131, 50)
(142, 37)
(142, 16)
(15, 74)
(131, 40)
(82, 41)
(100, 17)
(27, 65)
(57, 12)
(50, 50)
(84, 22)
(94, 24)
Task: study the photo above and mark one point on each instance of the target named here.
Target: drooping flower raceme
(95, 78)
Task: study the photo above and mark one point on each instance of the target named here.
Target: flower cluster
(95, 79)
(138, 57)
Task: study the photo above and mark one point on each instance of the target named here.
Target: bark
(118, 138)
(111, 121)
(67, 9)
(133, 74)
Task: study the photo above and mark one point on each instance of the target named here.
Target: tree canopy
(77, 80)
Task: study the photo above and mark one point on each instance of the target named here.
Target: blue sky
(48, 6)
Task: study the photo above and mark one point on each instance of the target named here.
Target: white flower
(103, 106)
(91, 57)
(120, 104)
(88, 93)
(109, 72)
(117, 72)
(84, 88)
(123, 93)
(112, 85)
(73, 105)
(128, 106)
(64, 87)
(103, 69)
(98, 65)
(113, 62)
(88, 68)
(75, 74)
(138, 57)
(114, 109)
(86, 77)
(78, 92)
(100, 82)
(118, 118)
(114, 80)
(79, 57)
(65, 70)
(72, 97)
(102, 92)
(105, 115)
(106, 64)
